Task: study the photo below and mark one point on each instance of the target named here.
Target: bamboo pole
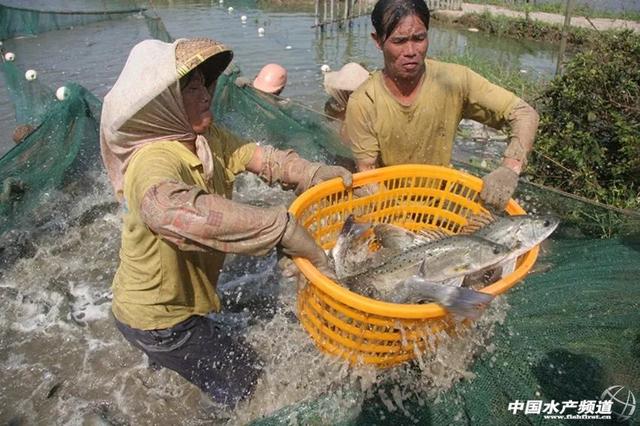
(565, 33)
(317, 13)
(332, 10)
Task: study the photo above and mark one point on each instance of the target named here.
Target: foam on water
(64, 359)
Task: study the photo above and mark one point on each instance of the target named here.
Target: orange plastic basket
(364, 330)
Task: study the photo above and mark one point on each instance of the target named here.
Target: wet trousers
(210, 356)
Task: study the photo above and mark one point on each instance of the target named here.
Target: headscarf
(145, 104)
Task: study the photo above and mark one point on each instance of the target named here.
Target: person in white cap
(339, 85)
(173, 170)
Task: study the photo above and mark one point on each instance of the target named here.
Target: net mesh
(30, 98)
(282, 123)
(62, 148)
(19, 21)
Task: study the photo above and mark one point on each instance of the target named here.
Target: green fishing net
(282, 123)
(61, 150)
(30, 98)
(19, 21)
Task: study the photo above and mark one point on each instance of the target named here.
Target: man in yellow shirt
(409, 111)
(173, 169)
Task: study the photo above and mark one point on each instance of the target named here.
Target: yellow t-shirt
(157, 285)
(380, 127)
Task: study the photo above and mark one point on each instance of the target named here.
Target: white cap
(31, 75)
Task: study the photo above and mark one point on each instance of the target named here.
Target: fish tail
(466, 302)
(458, 300)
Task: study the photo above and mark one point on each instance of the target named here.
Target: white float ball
(220, 1)
(261, 31)
(288, 47)
(9, 56)
(31, 75)
(325, 68)
(62, 93)
(230, 9)
(243, 19)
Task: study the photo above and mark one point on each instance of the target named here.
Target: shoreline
(598, 24)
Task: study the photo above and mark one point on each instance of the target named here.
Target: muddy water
(63, 360)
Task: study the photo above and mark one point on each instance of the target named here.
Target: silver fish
(519, 233)
(424, 270)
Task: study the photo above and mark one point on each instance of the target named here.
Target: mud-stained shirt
(158, 285)
(381, 128)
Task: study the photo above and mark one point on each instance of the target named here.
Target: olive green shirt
(157, 285)
(379, 127)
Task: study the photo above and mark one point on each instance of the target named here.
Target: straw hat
(214, 57)
(348, 78)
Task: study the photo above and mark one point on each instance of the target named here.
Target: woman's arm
(291, 171)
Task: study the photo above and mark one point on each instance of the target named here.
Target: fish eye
(546, 223)
(496, 250)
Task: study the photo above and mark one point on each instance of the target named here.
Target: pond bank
(600, 24)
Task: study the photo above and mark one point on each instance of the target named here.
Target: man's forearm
(523, 120)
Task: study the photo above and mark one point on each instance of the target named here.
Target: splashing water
(64, 358)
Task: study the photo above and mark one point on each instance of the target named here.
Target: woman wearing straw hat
(409, 111)
(173, 169)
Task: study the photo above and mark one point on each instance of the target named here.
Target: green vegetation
(523, 28)
(589, 137)
(588, 142)
(559, 8)
(512, 79)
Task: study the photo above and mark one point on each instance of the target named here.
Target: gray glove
(325, 172)
(498, 188)
(242, 82)
(296, 241)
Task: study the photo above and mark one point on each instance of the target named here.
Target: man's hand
(329, 172)
(242, 82)
(498, 188)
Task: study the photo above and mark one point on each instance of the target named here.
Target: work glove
(498, 187)
(297, 241)
(242, 82)
(366, 190)
(325, 172)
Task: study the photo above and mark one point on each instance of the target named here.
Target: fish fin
(458, 300)
(454, 282)
(393, 237)
(428, 235)
(477, 221)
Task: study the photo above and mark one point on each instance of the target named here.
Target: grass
(520, 28)
(522, 85)
(559, 8)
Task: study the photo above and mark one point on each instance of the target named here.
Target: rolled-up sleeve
(486, 102)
